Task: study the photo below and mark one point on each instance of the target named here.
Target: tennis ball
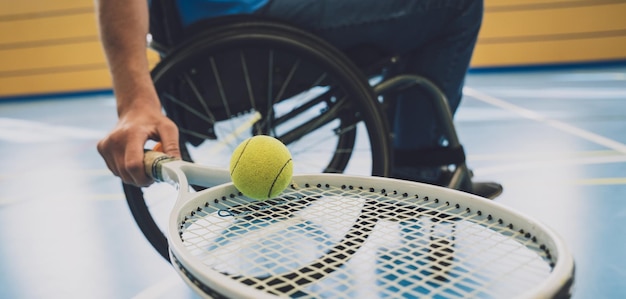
(261, 167)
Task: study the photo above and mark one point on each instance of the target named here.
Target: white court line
(528, 165)
(595, 138)
(26, 131)
(534, 156)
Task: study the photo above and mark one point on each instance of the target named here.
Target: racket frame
(183, 174)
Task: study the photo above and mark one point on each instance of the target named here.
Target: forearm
(123, 28)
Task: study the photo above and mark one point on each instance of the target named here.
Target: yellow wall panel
(50, 29)
(549, 52)
(63, 82)
(18, 8)
(65, 79)
(153, 57)
(511, 4)
(521, 32)
(556, 21)
(51, 57)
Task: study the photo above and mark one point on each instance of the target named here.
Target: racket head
(416, 240)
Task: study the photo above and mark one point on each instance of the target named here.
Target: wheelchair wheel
(240, 79)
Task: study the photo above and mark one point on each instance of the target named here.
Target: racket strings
(324, 241)
(505, 252)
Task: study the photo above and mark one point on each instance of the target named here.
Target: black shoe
(441, 177)
(428, 175)
(489, 190)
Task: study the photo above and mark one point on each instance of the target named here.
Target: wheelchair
(245, 76)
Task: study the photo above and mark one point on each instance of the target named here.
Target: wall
(51, 46)
(523, 32)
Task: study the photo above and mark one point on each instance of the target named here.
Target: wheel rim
(334, 119)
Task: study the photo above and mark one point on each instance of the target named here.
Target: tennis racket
(340, 236)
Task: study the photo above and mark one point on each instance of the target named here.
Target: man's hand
(123, 148)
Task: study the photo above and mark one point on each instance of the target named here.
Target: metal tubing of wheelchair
(439, 100)
(400, 82)
(313, 124)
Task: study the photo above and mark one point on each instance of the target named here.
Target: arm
(123, 28)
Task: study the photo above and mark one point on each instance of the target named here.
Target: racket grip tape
(153, 162)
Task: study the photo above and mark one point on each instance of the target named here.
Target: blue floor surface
(556, 140)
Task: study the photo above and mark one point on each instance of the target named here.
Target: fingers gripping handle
(153, 164)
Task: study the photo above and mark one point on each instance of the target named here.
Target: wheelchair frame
(371, 109)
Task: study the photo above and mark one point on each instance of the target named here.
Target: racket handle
(153, 161)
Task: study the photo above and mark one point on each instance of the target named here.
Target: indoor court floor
(554, 137)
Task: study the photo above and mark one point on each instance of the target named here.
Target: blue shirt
(196, 10)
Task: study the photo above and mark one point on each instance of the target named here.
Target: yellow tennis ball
(261, 167)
